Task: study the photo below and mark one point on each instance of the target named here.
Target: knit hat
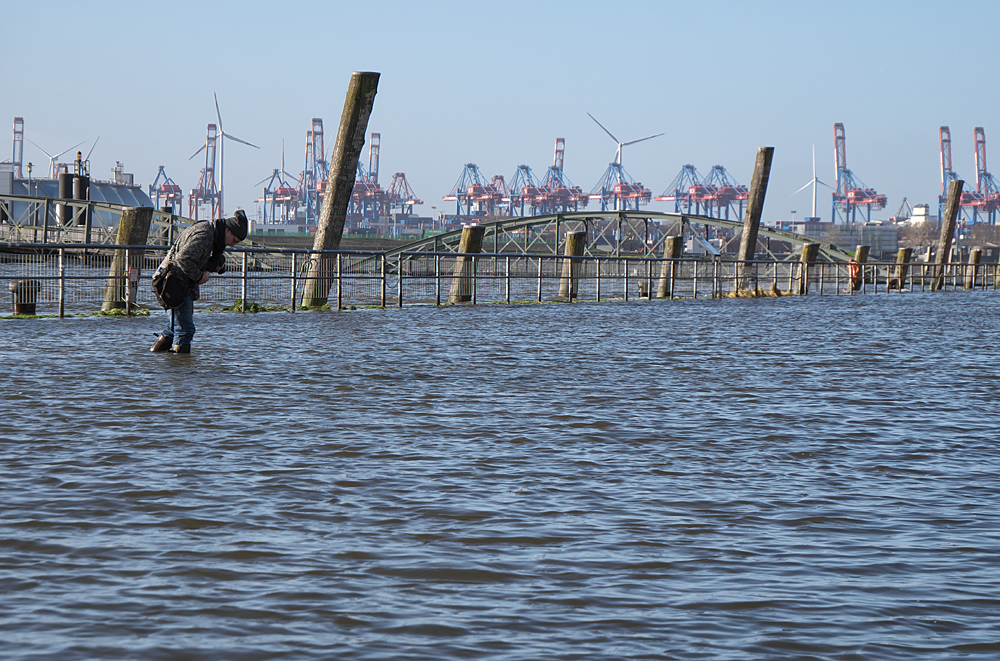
(237, 225)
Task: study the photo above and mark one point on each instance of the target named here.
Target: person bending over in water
(197, 253)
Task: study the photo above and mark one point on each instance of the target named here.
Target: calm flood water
(767, 479)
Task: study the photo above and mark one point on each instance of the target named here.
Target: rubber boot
(162, 344)
(181, 348)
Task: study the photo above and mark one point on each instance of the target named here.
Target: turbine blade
(70, 149)
(824, 183)
(263, 180)
(602, 126)
(802, 189)
(197, 152)
(648, 137)
(232, 137)
(218, 115)
(39, 148)
(92, 148)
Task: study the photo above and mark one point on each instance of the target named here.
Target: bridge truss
(617, 233)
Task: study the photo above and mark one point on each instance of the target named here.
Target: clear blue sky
(495, 83)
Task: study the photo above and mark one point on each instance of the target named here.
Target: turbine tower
(616, 186)
(222, 156)
(813, 182)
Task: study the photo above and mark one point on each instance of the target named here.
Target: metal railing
(75, 278)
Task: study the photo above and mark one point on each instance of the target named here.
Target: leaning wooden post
(470, 244)
(861, 257)
(673, 249)
(339, 186)
(809, 253)
(569, 283)
(902, 266)
(751, 218)
(975, 255)
(133, 229)
(947, 232)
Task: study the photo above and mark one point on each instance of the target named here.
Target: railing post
(399, 281)
(383, 260)
(437, 279)
(539, 278)
(340, 283)
(507, 279)
(45, 221)
(597, 295)
(294, 278)
(626, 270)
(243, 283)
(475, 269)
(62, 282)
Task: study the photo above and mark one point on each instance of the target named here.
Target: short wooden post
(470, 244)
(975, 255)
(673, 248)
(809, 254)
(569, 283)
(340, 184)
(751, 218)
(947, 233)
(133, 228)
(902, 267)
(860, 258)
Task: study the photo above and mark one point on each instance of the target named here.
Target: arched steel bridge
(638, 233)
(635, 233)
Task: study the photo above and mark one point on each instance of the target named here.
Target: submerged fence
(70, 278)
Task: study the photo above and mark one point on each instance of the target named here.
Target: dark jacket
(198, 249)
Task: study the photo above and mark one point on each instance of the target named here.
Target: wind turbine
(618, 153)
(52, 159)
(813, 182)
(222, 154)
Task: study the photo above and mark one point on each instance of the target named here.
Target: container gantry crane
(312, 182)
(851, 192)
(686, 191)
(478, 195)
(164, 192)
(524, 190)
(401, 198)
(560, 193)
(971, 202)
(986, 185)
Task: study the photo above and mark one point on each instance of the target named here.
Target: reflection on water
(790, 478)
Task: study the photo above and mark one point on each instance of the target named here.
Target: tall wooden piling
(947, 233)
(340, 184)
(810, 251)
(133, 229)
(569, 283)
(673, 249)
(471, 243)
(755, 206)
(975, 255)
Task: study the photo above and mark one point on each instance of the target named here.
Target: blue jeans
(180, 323)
